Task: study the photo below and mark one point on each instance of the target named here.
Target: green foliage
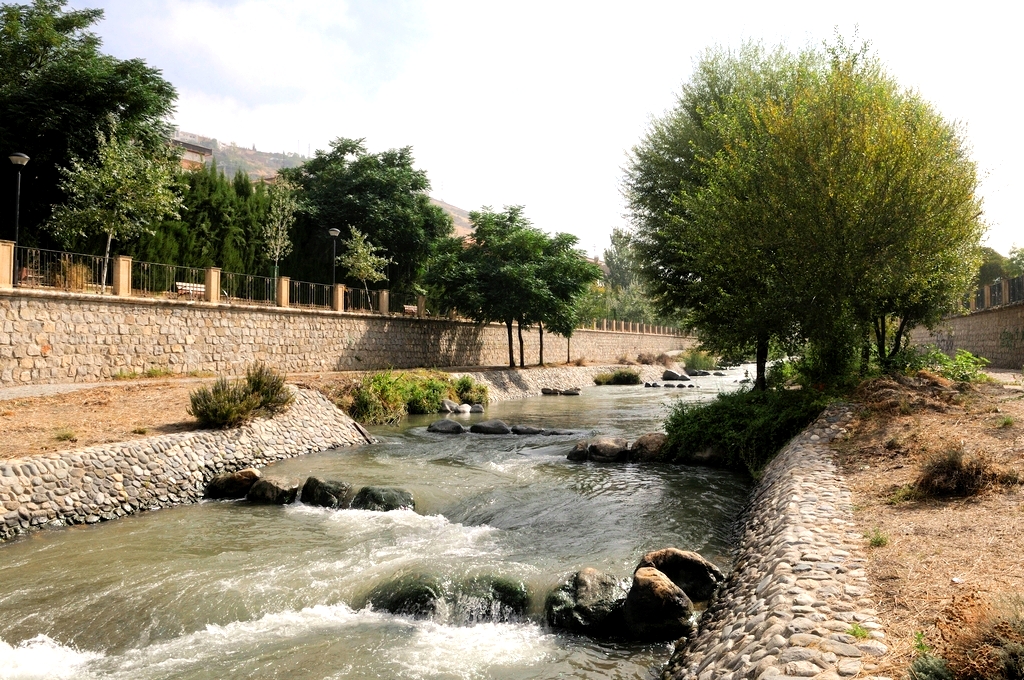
(920, 646)
(1016, 261)
(125, 194)
(994, 266)
(953, 474)
(360, 259)
(904, 494)
(230, 404)
(740, 430)
(65, 434)
(380, 194)
(928, 667)
(279, 220)
(1005, 422)
(59, 94)
(698, 360)
(157, 372)
(385, 398)
(877, 539)
(858, 631)
(621, 376)
(965, 367)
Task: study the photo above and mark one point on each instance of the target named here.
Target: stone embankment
(113, 480)
(507, 384)
(797, 601)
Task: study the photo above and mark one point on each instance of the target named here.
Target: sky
(538, 103)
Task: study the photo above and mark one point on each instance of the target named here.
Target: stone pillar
(122, 279)
(988, 296)
(421, 306)
(972, 301)
(1006, 291)
(382, 305)
(212, 292)
(284, 285)
(338, 297)
(6, 264)
(604, 324)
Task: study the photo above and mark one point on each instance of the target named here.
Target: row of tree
(805, 201)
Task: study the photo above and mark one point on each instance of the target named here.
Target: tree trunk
(522, 359)
(540, 329)
(865, 355)
(897, 341)
(511, 352)
(568, 349)
(106, 261)
(761, 356)
(880, 340)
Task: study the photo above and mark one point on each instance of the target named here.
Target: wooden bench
(410, 310)
(193, 290)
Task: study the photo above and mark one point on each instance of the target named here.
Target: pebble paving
(797, 603)
(113, 480)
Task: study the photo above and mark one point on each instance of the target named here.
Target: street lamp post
(19, 159)
(334, 251)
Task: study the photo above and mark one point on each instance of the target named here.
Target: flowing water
(231, 590)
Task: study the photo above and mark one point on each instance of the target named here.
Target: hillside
(231, 158)
(460, 217)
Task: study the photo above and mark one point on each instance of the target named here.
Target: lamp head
(18, 158)
(334, 232)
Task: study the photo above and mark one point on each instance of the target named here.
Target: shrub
(646, 358)
(698, 360)
(741, 430)
(379, 400)
(992, 649)
(469, 391)
(425, 395)
(964, 367)
(65, 434)
(877, 539)
(622, 376)
(952, 474)
(231, 404)
(928, 667)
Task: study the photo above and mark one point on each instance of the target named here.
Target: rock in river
(383, 499)
(673, 375)
(608, 449)
(273, 492)
(695, 575)
(448, 406)
(655, 608)
(445, 426)
(232, 484)
(327, 493)
(590, 602)
(526, 429)
(490, 427)
(648, 448)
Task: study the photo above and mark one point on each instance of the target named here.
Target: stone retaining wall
(506, 384)
(996, 334)
(113, 480)
(52, 337)
(798, 583)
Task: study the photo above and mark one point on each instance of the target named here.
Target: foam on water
(471, 651)
(42, 658)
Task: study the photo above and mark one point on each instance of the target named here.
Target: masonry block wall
(996, 334)
(58, 337)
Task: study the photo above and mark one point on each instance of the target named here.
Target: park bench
(192, 290)
(410, 310)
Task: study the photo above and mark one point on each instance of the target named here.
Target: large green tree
(58, 95)
(380, 194)
(804, 198)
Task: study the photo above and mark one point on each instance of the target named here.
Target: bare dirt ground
(944, 562)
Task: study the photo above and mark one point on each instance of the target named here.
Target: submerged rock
(415, 595)
(550, 391)
(273, 491)
(608, 449)
(648, 448)
(232, 484)
(445, 426)
(486, 599)
(696, 576)
(327, 493)
(571, 392)
(448, 406)
(526, 429)
(656, 609)
(578, 452)
(383, 499)
(698, 373)
(589, 602)
(490, 427)
(560, 433)
(476, 408)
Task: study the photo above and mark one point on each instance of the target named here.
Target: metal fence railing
(406, 305)
(359, 300)
(247, 289)
(310, 295)
(38, 268)
(1000, 292)
(152, 279)
(1016, 290)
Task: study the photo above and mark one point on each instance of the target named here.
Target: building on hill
(193, 155)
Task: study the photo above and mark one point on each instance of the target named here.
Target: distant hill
(231, 158)
(460, 217)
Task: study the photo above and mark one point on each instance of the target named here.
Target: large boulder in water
(579, 452)
(590, 603)
(526, 429)
(697, 577)
(446, 426)
(608, 449)
(648, 448)
(232, 484)
(448, 406)
(273, 492)
(490, 427)
(327, 493)
(486, 599)
(669, 374)
(415, 595)
(383, 499)
(656, 609)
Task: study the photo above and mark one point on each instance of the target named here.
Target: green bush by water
(622, 376)
(740, 430)
(698, 360)
(231, 404)
(385, 398)
(964, 367)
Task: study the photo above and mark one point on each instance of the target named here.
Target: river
(231, 590)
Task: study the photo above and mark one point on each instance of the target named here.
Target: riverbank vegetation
(385, 397)
(228, 404)
(621, 376)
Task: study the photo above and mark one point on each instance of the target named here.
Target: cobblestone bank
(113, 480)
(798, 588)
(508, 384)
